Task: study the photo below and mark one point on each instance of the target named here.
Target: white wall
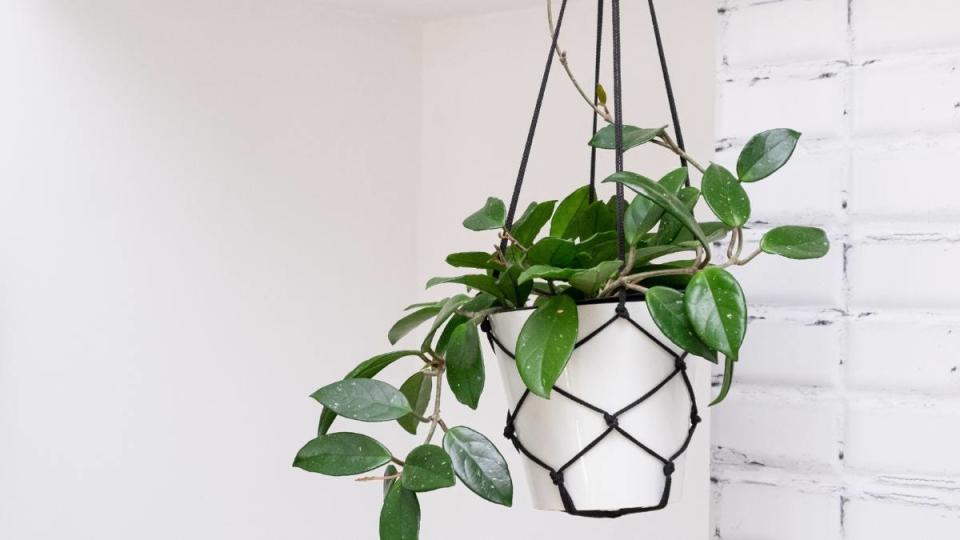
(481, 76)
(193, 200)
(843, 422)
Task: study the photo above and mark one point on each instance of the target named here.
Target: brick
(784, 32)
(880, 171)
(771, 429)
(904, 354)
(866, 519)
(810, 186)
(897, 274)
(770, 280)
(882, 26)
(811, 106)
(903, 96)
(903, 438)
(763, 512)
(791, 352)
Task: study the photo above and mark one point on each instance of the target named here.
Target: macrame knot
(556, 477)
(669, 469)
(485, 326)
(681, 364)
(695, 419)
(510, 432)
(622, 311)
(611, 420)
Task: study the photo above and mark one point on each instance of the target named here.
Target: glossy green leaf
(479, 465)
(645, 255)
(796, 242)
(465, 370)
(552, 252)
(765, 153)
(667, 310)
(592, 279)
(417, 390)
(409, 323)
(526, 229)
(594, 219)
(633, 136)
(492, 216)
(446, 311)
(714, 230)
(474, 259)
(546, 342)
(643, 214)
(388, 481)
(727, 381)
(477, 282)
(400, 515)
(366, 400)
(725, 196)
(599, 247)
(663, 198)
(342, 454)
(567, 211)
(366, 370)
(444, 340)
(717, 310)
(427, 468)
(542, 271)
(670, 228)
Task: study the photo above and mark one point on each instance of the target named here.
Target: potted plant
(556, 281)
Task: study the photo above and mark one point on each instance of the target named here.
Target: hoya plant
(555, 255)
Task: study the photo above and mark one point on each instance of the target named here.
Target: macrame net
(610, 418)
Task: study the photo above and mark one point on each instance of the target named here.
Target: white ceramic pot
(611, 370)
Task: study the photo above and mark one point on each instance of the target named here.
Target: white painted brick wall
(845, 420)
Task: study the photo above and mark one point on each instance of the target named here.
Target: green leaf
(465, 370)
(552, 252)
(479, 465)
(594, 219)
(417, 391)
(409, 323)
(642, 213)
(342, 454)
(645, 255)
(727, 381)
(388, 482)
(567, 211)
(670, 228)
(796, 242)
(725, 196)
(478, 282)
(663, 198)
(633, 136)
(493, 215)
(667, 310)
(474, 259)
(400, 515)
(543, 271)
(599, 247)
(592, 279)
(444, 340)
(717, 310)
(427, 468)
(366, 400)
(765, 153)
(425, 304)
(366, 370)
(449, 308)
(714, 230)
(526, 229)
(601, 95)
(546, 342)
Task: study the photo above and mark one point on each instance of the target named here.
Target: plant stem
(626, 281)
(398, 461)
(435, 417)
(601, 110)
(750, 257)
(669, 143)
(378, 478)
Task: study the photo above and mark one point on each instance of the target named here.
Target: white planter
(611, 370)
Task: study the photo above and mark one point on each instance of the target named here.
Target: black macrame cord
(680, 367)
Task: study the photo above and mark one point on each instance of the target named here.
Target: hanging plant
(552, 261)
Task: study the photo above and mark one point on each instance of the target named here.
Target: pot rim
(633, 297)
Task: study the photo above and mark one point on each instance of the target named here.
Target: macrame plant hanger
(611, 418)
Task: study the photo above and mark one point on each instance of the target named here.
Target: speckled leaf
(417, 391)
(796, 242)
(479, 465)
(342, 454)
(670, 228)
(388, 481)
(633, 136)
(427, 468)
(465, 370)
(765, 153)
(546, 342)
(727, 381)
(526, 229)
(400, 515)
(717, 310)
(643, 214)
(667, 310)
(725, 196)
(492, 216)
(366, 400)
(592, 279)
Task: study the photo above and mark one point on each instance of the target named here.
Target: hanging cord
(618, 130)
(668, 85)
(596, 101)
(511, 214)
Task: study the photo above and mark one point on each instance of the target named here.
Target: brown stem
(669, 143)
(435, 417)
(601, 110)
(378, 478)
